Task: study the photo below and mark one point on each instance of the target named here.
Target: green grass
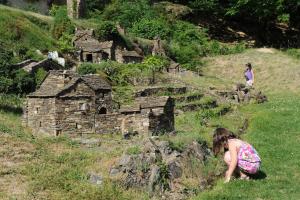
(41, 167)
(274, 131)
(23, 31)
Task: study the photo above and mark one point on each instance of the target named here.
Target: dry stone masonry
(69, 103)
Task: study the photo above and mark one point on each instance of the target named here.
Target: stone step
(166, 91)
(197, 105)
(188, 98)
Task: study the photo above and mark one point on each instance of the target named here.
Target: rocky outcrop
(160, 169)
(242, 93)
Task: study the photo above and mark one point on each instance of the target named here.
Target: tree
(155, 64)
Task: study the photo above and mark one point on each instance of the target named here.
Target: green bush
(293, 52)
(127, 12)
(188, 42)
(23, 82)
(5, 84)
(151, 28)
(62, 24)
(106, 30)
(134, 150)
(5, 61)
(87, 68)
(40, 76)
(65, 43)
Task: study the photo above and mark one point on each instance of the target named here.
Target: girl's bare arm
(233, 155)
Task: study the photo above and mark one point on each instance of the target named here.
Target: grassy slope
(274, 126)
(43, 168)
(55, 168)
(20, 28)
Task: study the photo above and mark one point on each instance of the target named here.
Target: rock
(154, 178)
(95, 179)
(196, 150)
(114, 172)
(174, 169)
(126, 162)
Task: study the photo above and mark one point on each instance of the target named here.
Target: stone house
(31, 66)
(67, 103)
(125, 56)
(149, 114)
(89, 49)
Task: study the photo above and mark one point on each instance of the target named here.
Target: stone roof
(47, 64)
(80, 33)
(106, 44)
(55, 88)
(130, 108)
(84, 40)
(96, 82)
(153, 102)
(131, 54)
(144, 103)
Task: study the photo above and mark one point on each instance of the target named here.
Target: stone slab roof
(153, 102)
(130, 108)
(96, 82)
(80, 33)
(54, 89)
(131, 54)
(144, 103)
(106, 44)
(47, 64)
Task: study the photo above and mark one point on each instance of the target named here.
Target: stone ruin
(32, 66)
(242, 93)
(72, 104)
(89, 49)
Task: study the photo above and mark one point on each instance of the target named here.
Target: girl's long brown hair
(220, 138)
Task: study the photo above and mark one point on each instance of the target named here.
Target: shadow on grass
(259, 176)
(11, 109)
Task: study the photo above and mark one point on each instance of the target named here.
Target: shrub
(5, 61)
(65, 43)
(5, 84)
(87, 68)
(187, 42)
(151, 28)
(127, 12)
(134, 150)
(62, 23)
(39, 76)
(106, 30)
(23, 82)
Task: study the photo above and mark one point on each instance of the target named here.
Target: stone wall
(108, 123)
(42, 115)
(135, 122)
(75, 115)
(104, 100)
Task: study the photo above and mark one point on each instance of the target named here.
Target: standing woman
(249, 75)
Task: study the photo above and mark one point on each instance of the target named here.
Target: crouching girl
(239, 155)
